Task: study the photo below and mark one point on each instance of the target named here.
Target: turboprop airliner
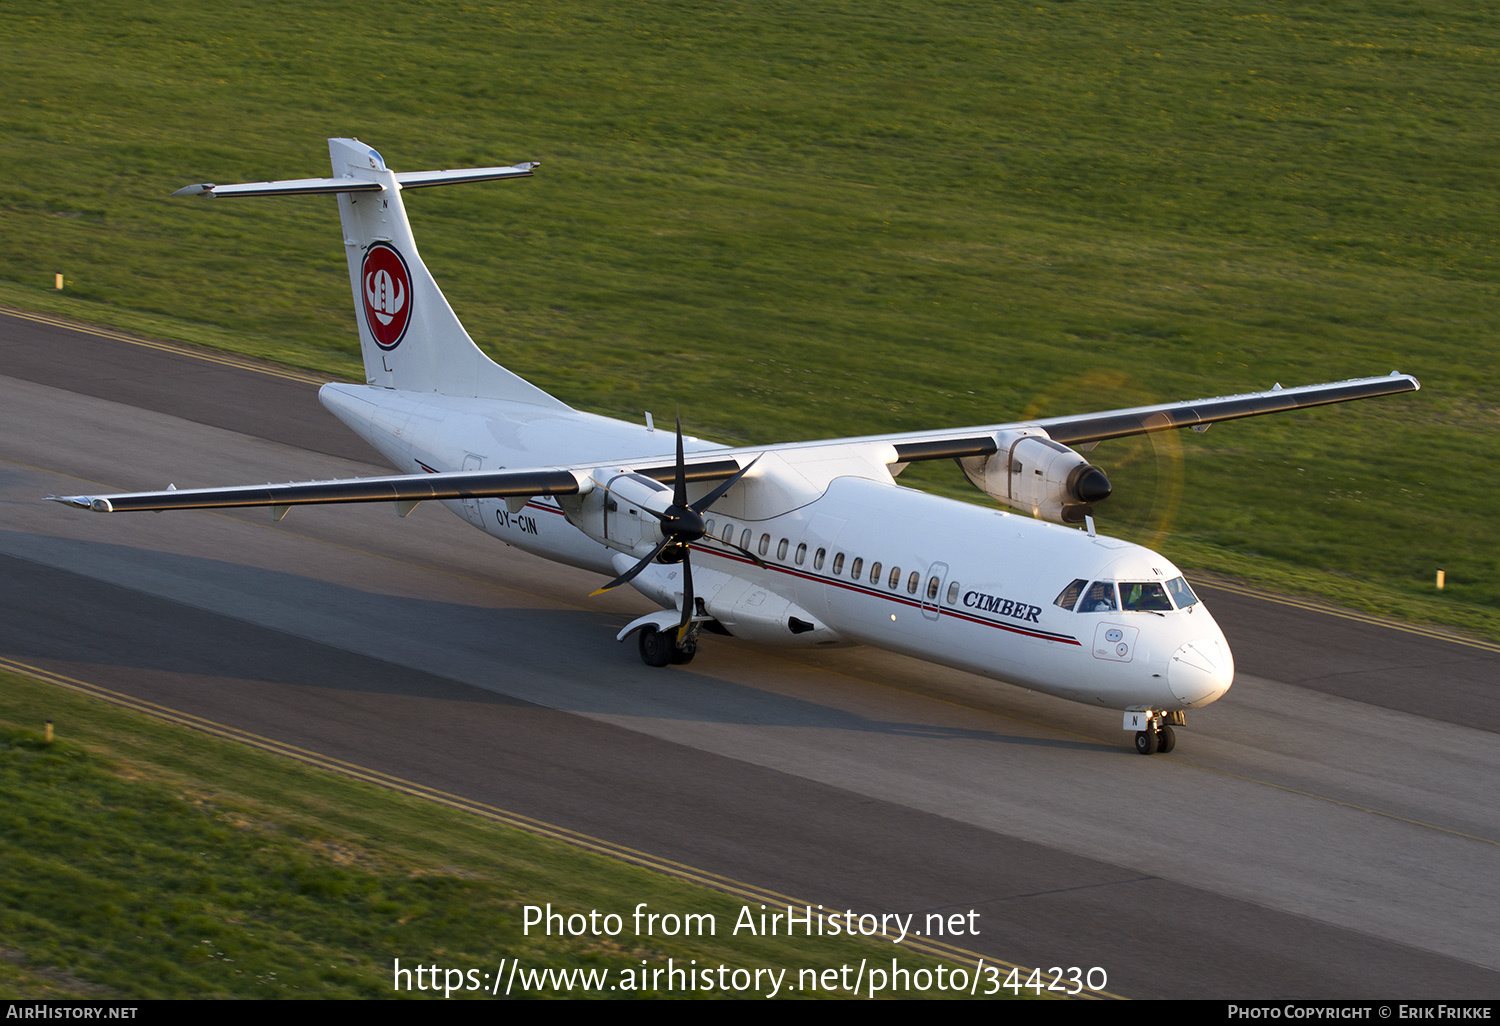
(802, 544)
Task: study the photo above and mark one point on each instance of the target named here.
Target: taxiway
(1328, 829)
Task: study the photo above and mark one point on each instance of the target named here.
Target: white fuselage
(958, 584)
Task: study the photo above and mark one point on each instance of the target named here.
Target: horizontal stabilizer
(290, 187)
(316, 186)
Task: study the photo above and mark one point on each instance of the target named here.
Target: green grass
(804, 220)
(139, 859)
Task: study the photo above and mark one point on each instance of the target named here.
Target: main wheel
(656, 646)
(1166, 740)
(683, 653)
(1145, 741)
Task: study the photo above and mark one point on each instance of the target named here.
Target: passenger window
(856, 567)
(765, 544)
(801, 553)
(818, 559)
(1068, 597)
(953, 593)
(708, 527)
(745, 539)
(838, 564)
(1100, 598)
(1182, 595)
(912, 582)
(932, 589)
(874, 573)
(781, 550)
(1144, 597)
(728, 533)
(894, 579)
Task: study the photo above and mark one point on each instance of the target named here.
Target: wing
(404, 488)
(722, 464)
(1087, 428)
(399, 488)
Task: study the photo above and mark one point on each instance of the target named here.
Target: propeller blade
(630, 575)
(679, 488)
(688, 609)
(682, 524)
(713, 496)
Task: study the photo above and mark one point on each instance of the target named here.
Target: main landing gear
(1157, 734)
(661, 648)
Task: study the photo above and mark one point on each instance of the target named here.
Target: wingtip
(83, 502)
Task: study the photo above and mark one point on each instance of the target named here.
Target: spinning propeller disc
(1146, 470)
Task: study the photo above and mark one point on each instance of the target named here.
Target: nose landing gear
(1153, 730)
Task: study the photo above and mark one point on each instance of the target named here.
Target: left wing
(1087, 428)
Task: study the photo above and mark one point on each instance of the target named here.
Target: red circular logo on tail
(386, 285)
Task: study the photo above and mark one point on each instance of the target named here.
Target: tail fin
(409, 336)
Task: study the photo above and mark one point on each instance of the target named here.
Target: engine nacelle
(1033, 473)
(618, 511)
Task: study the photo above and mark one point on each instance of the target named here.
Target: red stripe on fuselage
(860, 589)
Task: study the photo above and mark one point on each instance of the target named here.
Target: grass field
(140, 859)
(815, 219)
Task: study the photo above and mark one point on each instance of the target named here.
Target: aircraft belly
(759, 605)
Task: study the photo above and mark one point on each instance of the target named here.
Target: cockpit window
(1100, 598)
(1068, 597)
(1144, 597)
(1181, 593)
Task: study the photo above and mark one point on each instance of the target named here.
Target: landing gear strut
(1166, 739)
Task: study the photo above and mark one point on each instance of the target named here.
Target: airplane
(804, 544)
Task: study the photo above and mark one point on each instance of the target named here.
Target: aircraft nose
(1201, 671)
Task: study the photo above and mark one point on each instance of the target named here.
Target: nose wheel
(1155, 733)
(1166, 739)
